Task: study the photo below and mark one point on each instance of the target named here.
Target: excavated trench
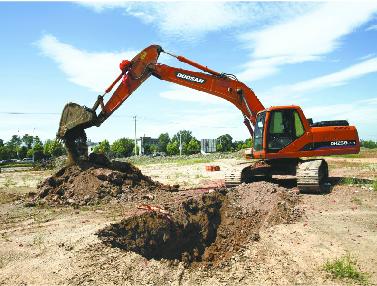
(184, 235)
(208, 228)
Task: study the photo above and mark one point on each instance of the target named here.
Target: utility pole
(33, 142)
(135, 136)
(180, 143)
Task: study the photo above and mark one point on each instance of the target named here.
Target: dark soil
(209, 228)
(97, 181)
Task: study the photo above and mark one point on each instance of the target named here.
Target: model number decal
(190, 78)
(342, 143)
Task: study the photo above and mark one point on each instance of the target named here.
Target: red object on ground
(212, 168)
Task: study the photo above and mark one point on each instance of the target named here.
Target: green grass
(371, 184)
(345, 268)
(356, 201)
(15, 165)
(353, 181)
(374, 185)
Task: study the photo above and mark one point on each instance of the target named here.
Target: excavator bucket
(75, 117)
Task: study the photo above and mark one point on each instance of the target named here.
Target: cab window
(299, 127)
(284, 127)
(258, 131)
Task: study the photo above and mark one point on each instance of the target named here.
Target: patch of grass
(374, 185)
(355, 181)
(346, 268)
(356, 201)
(351, 181)
(15, 165)
(370, 184)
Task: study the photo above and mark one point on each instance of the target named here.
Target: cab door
(283, 128)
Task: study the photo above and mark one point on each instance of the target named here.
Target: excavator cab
(276, 128)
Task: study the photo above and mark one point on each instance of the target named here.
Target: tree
(122, 147)
(15, 142)
(38, 149)
(153, 148)
(369, 144)
(5, 153)
(53, 148)
(224, 143)
(248, 143)
(237, 145)
(193, 147)
(172, 148)
(22, 152)
(1, 143)
(103, 147)
(28, 140)
(37, 142)
(186, 136)
(29, 153)
(14, 145)
(163, 141)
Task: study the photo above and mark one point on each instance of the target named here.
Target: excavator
(284, 140)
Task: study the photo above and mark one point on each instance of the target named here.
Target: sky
(321, 56)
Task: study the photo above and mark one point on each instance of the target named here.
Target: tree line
(125, 147)
(29, 146)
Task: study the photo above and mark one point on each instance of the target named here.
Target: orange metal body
(311, 136)
(229, 88)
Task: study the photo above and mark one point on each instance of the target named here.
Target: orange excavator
(282, 135)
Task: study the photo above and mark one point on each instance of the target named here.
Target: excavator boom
(76, 118)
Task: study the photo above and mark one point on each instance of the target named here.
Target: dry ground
(51, 246)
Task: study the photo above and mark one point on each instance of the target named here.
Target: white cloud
(334, 79)
(189, 20)
(182, 93)
(372, 28)
(303, 38)
(95, 71)
(184, 20)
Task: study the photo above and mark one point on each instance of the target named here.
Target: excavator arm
(76, 118)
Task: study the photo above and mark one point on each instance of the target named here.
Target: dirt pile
(209, 228)
(97, 180)
(182, 233)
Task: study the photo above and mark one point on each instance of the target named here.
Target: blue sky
(321, 56)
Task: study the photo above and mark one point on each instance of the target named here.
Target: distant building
(208, 145)
(144, 144)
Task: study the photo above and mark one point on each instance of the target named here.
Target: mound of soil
(97, 181)
(209, 228)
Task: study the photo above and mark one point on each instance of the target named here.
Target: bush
(368, 144)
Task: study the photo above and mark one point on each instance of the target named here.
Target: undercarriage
(311, 174)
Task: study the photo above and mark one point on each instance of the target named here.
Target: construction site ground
(53, 244)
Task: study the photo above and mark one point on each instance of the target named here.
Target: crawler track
(311, 175)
